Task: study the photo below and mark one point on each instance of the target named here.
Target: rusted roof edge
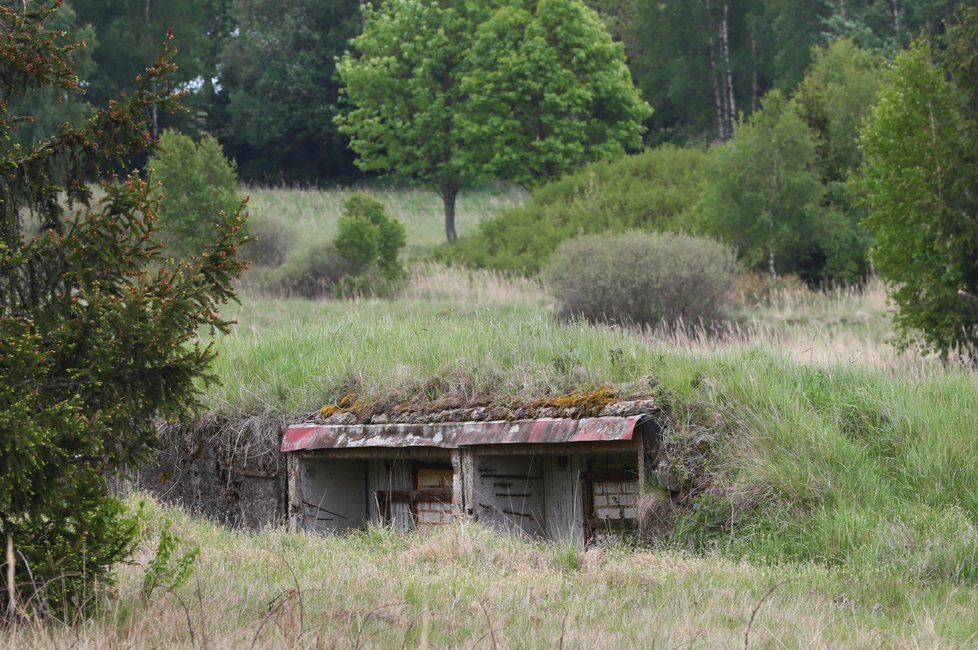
(453, 435)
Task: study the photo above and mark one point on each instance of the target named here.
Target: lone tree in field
(98, 332)
(449, 93)
(920, 148)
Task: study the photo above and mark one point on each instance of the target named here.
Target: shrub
(651, 191)
(271, 240)
(312, 272)
(199, 187)
(367, 237)
(638, 277)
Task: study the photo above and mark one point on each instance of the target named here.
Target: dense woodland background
(260, 74)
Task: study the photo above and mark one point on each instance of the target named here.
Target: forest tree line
(261, 75)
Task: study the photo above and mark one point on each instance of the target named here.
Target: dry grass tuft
(657, 514)
(430, 282)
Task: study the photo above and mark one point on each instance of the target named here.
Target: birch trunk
(727, 71)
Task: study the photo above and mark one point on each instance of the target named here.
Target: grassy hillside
(795, 434)
(802, 451)
(464, 586)
(477, 334)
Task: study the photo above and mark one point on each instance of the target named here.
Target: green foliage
(167, 569)
(646, 278)
(919, 184)
(280, 90)
(366, 236)
(311, 272)
(363, 259)
(128, 34)
(547, 89)
(439, 101)
(653, 190)
(98, 333)
(48, 108)
(678, 63)
(199, 189)
(707, 520)
(834, 99)
(764, 195)
(402, 78)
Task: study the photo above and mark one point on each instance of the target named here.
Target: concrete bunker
(566, 479)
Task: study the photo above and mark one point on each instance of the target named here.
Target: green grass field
(313, 213)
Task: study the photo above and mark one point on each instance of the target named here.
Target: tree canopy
(918, 181)
(763, 191)
(546, 89)
(280, 89)
(446, 94)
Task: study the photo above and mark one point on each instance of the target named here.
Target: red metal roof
(458, 434)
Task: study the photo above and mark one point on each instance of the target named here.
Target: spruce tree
(99, 332)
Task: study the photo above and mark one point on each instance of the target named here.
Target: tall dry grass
(465, 586)
(848, 326)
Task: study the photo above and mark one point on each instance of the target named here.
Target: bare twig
(492, 634)
(200, 607)
(186, 612)
(563, 624)
(298, 594)
(273, 606)
(367, 618)
(757, 607)
(407, 631)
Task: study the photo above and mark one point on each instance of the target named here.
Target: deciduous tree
(545, 90)
(439, 100)
(763, 191)
(918, 180)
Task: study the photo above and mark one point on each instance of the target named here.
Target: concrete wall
(575, 497)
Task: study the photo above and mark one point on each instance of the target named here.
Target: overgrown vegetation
(642, 278)
(363, 259)
(466, 586)
(651, 191)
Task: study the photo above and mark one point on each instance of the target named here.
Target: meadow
(836, 506)
(466, 587)
(311, 214)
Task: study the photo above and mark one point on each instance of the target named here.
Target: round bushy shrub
(313, 272)
(271, 240)
(368, 238)
(639, 277)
